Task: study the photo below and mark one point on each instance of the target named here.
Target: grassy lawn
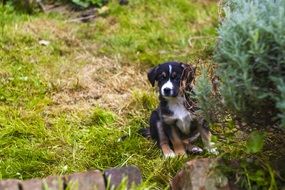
(64, 106)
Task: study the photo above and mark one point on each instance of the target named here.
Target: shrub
(207, 101)
(26, 6)
(250, 60)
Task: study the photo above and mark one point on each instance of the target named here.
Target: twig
(41, 5)
(80, 19)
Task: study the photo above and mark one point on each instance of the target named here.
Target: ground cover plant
(70, 91)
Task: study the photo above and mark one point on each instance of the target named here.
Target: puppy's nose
(167, 91)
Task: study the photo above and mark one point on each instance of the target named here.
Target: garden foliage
(250, 60)
(87, 3)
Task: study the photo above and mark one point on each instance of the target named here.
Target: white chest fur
(180, 114)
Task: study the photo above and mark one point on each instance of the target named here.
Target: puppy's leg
(158, 134)
(176, 141)
(206, 137)
(192, 148)
(164, 141)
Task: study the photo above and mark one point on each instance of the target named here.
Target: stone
(32, 184)
(200, 174)
(10, 184)
(86, 181)
(44, 42)
(53, 183)
(116, 175)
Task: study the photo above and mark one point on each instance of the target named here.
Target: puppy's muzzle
(167, 92)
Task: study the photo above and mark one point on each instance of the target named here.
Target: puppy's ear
(184, 65)
(152, 74)
(189, 67)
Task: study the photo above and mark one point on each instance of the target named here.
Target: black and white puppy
(171, 124)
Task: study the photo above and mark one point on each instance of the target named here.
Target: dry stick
(41, 5)
(81, 18)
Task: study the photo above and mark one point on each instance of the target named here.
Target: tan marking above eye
(163, 74)
(174, 74)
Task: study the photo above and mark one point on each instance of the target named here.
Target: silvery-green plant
(250, 60)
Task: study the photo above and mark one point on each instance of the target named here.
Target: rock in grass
(33, 184)
(10, 184)
(44, 42)
(53, 183)
(86, 181)
(115, 176)
(200, 174)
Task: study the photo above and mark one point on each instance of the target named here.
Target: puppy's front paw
(193, 149)
(180, 152)
(196, 150)
(169, 154)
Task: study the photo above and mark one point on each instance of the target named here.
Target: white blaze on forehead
(168, 84)
(170, 69)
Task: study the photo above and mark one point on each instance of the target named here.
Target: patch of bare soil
(103, 82)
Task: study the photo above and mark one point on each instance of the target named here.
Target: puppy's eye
(174, 75)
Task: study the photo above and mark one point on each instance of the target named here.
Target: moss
(101, 117)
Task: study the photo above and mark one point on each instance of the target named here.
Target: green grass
(41, 137)
(150, 32)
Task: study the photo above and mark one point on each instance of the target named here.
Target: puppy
(172, 126)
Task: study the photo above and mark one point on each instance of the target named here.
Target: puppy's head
(168, 77)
